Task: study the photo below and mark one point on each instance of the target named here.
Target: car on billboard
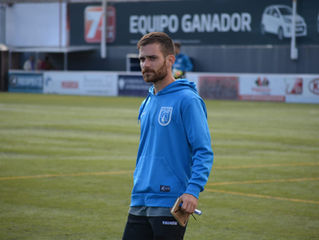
(277, 19)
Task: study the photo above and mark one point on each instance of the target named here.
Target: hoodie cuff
(193, 190)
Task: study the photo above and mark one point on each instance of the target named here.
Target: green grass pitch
(66, 166)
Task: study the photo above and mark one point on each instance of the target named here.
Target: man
(174, 156)
(182, 63)
(29, 64)
(46, 64)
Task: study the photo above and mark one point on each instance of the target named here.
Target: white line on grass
(262, 196)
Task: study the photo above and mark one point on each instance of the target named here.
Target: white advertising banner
(261, 87)
(81, 83)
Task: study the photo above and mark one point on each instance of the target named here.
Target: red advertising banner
(93, 16)
(218, 87)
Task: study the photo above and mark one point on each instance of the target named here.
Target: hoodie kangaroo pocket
(155, 175)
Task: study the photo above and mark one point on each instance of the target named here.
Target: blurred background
(242, 50)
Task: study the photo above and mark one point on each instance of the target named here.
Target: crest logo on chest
(165, 116)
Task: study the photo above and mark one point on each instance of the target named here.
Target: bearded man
(175, 156)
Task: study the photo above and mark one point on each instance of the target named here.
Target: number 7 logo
(93, 24)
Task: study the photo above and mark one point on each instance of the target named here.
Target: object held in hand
(180, 215)
(198, 212)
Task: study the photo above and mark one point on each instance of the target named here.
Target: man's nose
(145, 63)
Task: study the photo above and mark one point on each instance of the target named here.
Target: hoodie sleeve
(198, 136)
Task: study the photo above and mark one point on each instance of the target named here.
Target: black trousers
(152, 228)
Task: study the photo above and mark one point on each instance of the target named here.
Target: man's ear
(171, 59)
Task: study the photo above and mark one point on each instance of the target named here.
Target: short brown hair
(177, 44)
(166, 43)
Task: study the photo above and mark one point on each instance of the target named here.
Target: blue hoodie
(175, 154)
(183, 63)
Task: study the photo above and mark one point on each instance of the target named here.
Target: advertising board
(261, 87)
(218, 87)
(302, 89)
(25, 82)
(80, 83)
(227, 22)
(132, 85)
(291, 88)
(93, 24)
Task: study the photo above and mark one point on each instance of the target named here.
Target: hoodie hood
(177, 85)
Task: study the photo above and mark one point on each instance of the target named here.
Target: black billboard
(201, 22)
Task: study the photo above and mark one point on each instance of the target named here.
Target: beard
(154, 76)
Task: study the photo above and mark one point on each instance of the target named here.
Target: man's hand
(189, 203)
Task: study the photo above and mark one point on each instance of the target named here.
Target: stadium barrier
(294, 88)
